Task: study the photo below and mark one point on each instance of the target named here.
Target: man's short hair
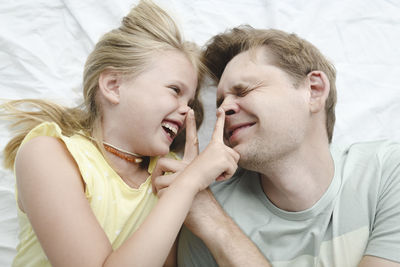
(294, 55)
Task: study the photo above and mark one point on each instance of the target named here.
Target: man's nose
(230, 105)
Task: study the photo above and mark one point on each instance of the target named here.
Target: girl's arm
(225, 240)
(159, 230)
(51, 192)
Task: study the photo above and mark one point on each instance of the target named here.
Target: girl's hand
(217, 161)
(164, 165)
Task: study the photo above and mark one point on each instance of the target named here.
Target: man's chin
(244, 160)
(250, 160)
(237, 147)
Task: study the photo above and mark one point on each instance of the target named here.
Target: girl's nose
(183, 109)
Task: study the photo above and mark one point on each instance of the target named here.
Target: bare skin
(206, 217)
(44, 165)
(299, 167)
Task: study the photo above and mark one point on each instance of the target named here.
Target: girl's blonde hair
(126, 50)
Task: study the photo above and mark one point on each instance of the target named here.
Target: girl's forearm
(156, 235)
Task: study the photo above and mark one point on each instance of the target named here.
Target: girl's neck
(123, 154)
(124, 161)
(133, 174)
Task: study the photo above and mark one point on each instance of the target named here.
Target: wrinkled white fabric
(44, 44)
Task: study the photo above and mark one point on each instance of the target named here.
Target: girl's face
(152, 107)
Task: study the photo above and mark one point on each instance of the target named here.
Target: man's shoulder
(240, 178)
(369, 166)
(375, 146)
(370, 151)
(243, 184)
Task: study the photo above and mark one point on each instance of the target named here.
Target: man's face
(267, 117)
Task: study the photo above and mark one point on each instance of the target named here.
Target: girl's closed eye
(175, 88)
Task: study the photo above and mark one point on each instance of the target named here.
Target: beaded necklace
(123, 154)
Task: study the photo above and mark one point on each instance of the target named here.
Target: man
(301, 201)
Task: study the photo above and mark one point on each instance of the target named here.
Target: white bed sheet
(44, 43)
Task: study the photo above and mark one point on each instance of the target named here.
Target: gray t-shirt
(358, 215)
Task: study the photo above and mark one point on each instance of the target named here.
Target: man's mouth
(237, 128)
(170, 128)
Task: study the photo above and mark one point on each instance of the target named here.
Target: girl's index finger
(218, 134)
(192, 143)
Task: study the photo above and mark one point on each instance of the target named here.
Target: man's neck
(297, 182)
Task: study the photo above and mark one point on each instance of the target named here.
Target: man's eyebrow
(220, 99)
(237, 88)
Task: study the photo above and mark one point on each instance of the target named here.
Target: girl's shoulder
(44, 164)
(47, 141)
(44, 154)
(44, 143)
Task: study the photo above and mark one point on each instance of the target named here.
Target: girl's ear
(319, 90)
(109, 85)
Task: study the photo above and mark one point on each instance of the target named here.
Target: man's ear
(319, 90)
(109, 85)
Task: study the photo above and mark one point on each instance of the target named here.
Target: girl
(84, 188)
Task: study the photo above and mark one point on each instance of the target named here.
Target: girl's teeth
(170, 127)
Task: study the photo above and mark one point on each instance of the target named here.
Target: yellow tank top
(118, 208)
